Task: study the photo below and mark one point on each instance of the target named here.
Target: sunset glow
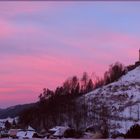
(44, 43)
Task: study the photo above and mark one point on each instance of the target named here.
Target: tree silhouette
(114, 73)
(7, 125)
(133, 132)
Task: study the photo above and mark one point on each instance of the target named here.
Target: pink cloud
(11, 9)
(22, 7)
(32, 73)
(5, 29)
(17, 97)
(35, 73)
(104, 42)
(96, 49)
(9, 30)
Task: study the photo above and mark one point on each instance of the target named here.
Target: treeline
(61, 106)
(114, 72)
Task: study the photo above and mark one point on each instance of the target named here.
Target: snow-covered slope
(122, 96)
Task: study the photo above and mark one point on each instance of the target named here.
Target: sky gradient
(43, 43)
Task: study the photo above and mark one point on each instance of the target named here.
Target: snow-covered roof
(29, 134)
(21, 134)
(59, 130)
(30, 128)
(25, 134)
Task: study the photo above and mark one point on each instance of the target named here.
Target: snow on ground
(126, 125)
(123, 96)
(7, 119)
(10, 120)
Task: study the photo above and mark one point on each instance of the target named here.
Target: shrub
(133, 132)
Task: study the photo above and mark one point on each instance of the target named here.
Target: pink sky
(44, 43)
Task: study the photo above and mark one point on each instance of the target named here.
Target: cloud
(42, 44)
(6, 29)
(24, 7)
(14, 97)
(27, 75)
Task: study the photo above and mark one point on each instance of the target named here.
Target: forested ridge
(62, 107)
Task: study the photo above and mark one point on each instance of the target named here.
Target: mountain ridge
(14, 111)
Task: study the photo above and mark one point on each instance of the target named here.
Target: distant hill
(14, 110)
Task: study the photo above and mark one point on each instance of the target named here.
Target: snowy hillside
(123, 99)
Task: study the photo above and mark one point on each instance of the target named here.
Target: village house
(28, 133)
